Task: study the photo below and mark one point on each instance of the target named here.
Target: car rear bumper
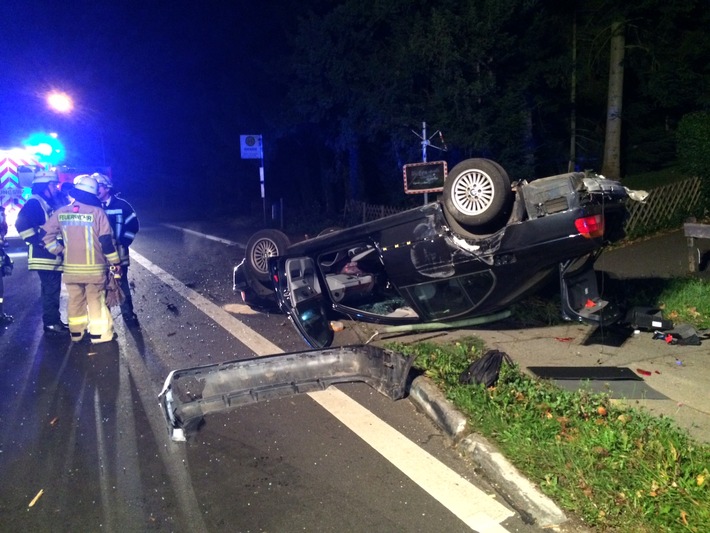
(189, 394)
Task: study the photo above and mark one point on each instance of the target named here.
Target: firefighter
(81, 232)
(5, 269)
(125, 225)
(36, 211)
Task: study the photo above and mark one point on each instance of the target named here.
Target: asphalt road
(84, 446)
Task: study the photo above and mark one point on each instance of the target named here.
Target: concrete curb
(520, 493)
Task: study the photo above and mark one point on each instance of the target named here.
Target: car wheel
(476, 192)
(262, 245)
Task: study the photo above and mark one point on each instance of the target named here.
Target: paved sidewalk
(661, 256)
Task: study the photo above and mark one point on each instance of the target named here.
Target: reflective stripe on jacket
(86, 242)
(125, 225)
(29, 223)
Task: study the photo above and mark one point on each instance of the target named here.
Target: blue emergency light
(46, 147)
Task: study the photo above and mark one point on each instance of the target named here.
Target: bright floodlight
(61, 102)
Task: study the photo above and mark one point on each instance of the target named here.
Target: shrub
(694, 149)
(694, 144)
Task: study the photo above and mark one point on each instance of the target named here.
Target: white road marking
(470, 504)
(204, 236)
(244, 334)
(475, 508)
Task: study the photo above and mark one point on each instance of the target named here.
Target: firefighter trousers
(87, 311)
(51, 288)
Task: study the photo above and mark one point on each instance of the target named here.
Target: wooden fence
(665, 206)
(359, 212)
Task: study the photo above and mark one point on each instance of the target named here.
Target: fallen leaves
(600, 451)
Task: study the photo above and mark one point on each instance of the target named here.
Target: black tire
(477, 192)
(262, 245)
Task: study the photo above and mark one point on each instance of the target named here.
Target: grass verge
(618, 469)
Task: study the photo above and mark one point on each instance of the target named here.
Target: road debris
(34, 500)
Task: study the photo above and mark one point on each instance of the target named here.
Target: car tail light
(590, 227)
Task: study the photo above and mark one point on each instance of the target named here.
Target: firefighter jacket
(83, 235)
(29, 223)
(124, 223)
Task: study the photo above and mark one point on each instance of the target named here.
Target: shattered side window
(451, 297)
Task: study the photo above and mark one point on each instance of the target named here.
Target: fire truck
(17, 170)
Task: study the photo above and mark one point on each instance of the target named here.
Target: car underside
(483, 246)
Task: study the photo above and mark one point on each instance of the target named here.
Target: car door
(301, 296)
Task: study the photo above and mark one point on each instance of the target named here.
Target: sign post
(426, 177)
(252, 148)
(434, 173)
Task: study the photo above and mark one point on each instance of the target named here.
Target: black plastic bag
(486, 369)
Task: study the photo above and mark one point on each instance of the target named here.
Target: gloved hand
(116, 271)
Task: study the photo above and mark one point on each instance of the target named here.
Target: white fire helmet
(103, 179)
(86, 183)
(45, 176)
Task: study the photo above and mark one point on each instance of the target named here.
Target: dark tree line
(533, 85)
(338, 88)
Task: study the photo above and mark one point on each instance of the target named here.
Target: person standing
(125, 225)
(36, 211)
(5, 269)
(81, 233)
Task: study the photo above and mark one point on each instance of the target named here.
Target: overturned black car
(483, 246)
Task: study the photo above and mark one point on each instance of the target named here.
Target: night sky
(159, 87)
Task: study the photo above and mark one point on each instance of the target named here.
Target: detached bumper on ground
(191, 393)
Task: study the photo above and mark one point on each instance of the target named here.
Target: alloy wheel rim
(473, 192)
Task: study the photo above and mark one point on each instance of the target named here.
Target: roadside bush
(694, 151)
(694, 144)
